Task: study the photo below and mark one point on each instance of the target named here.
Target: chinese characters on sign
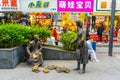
(9, 5)
(75, 5)
(39, 4)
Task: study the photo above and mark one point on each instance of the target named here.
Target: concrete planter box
(10, 57)
(57, 54)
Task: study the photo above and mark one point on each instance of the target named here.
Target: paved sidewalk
(116, 50)
(108, 68)
(103, 44)
(104, 47)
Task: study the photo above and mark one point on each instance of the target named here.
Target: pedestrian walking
(55, 35)
(100, 31)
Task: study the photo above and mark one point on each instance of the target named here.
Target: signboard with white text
(9, 5)
(75, 5)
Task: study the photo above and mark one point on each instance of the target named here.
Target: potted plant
(64, 52)
(12, 36)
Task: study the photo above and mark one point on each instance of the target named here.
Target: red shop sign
(41, 16)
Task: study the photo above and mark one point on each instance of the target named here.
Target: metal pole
(112, 27)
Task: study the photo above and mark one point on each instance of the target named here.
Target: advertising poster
(75, 5)
(9, 5)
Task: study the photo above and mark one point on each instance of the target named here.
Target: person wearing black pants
(100, 31)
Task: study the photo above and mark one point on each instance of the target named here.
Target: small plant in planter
(61, 53)
(66, 39)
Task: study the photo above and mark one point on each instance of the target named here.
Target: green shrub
(66, 39)
(12, 35)
(43, 32)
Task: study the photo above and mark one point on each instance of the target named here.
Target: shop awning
(105, 13)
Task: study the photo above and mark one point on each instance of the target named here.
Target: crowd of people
(103, 30)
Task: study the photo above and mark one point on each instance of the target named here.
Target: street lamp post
(112, 27)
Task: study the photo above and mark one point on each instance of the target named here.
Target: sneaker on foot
(97, 60)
